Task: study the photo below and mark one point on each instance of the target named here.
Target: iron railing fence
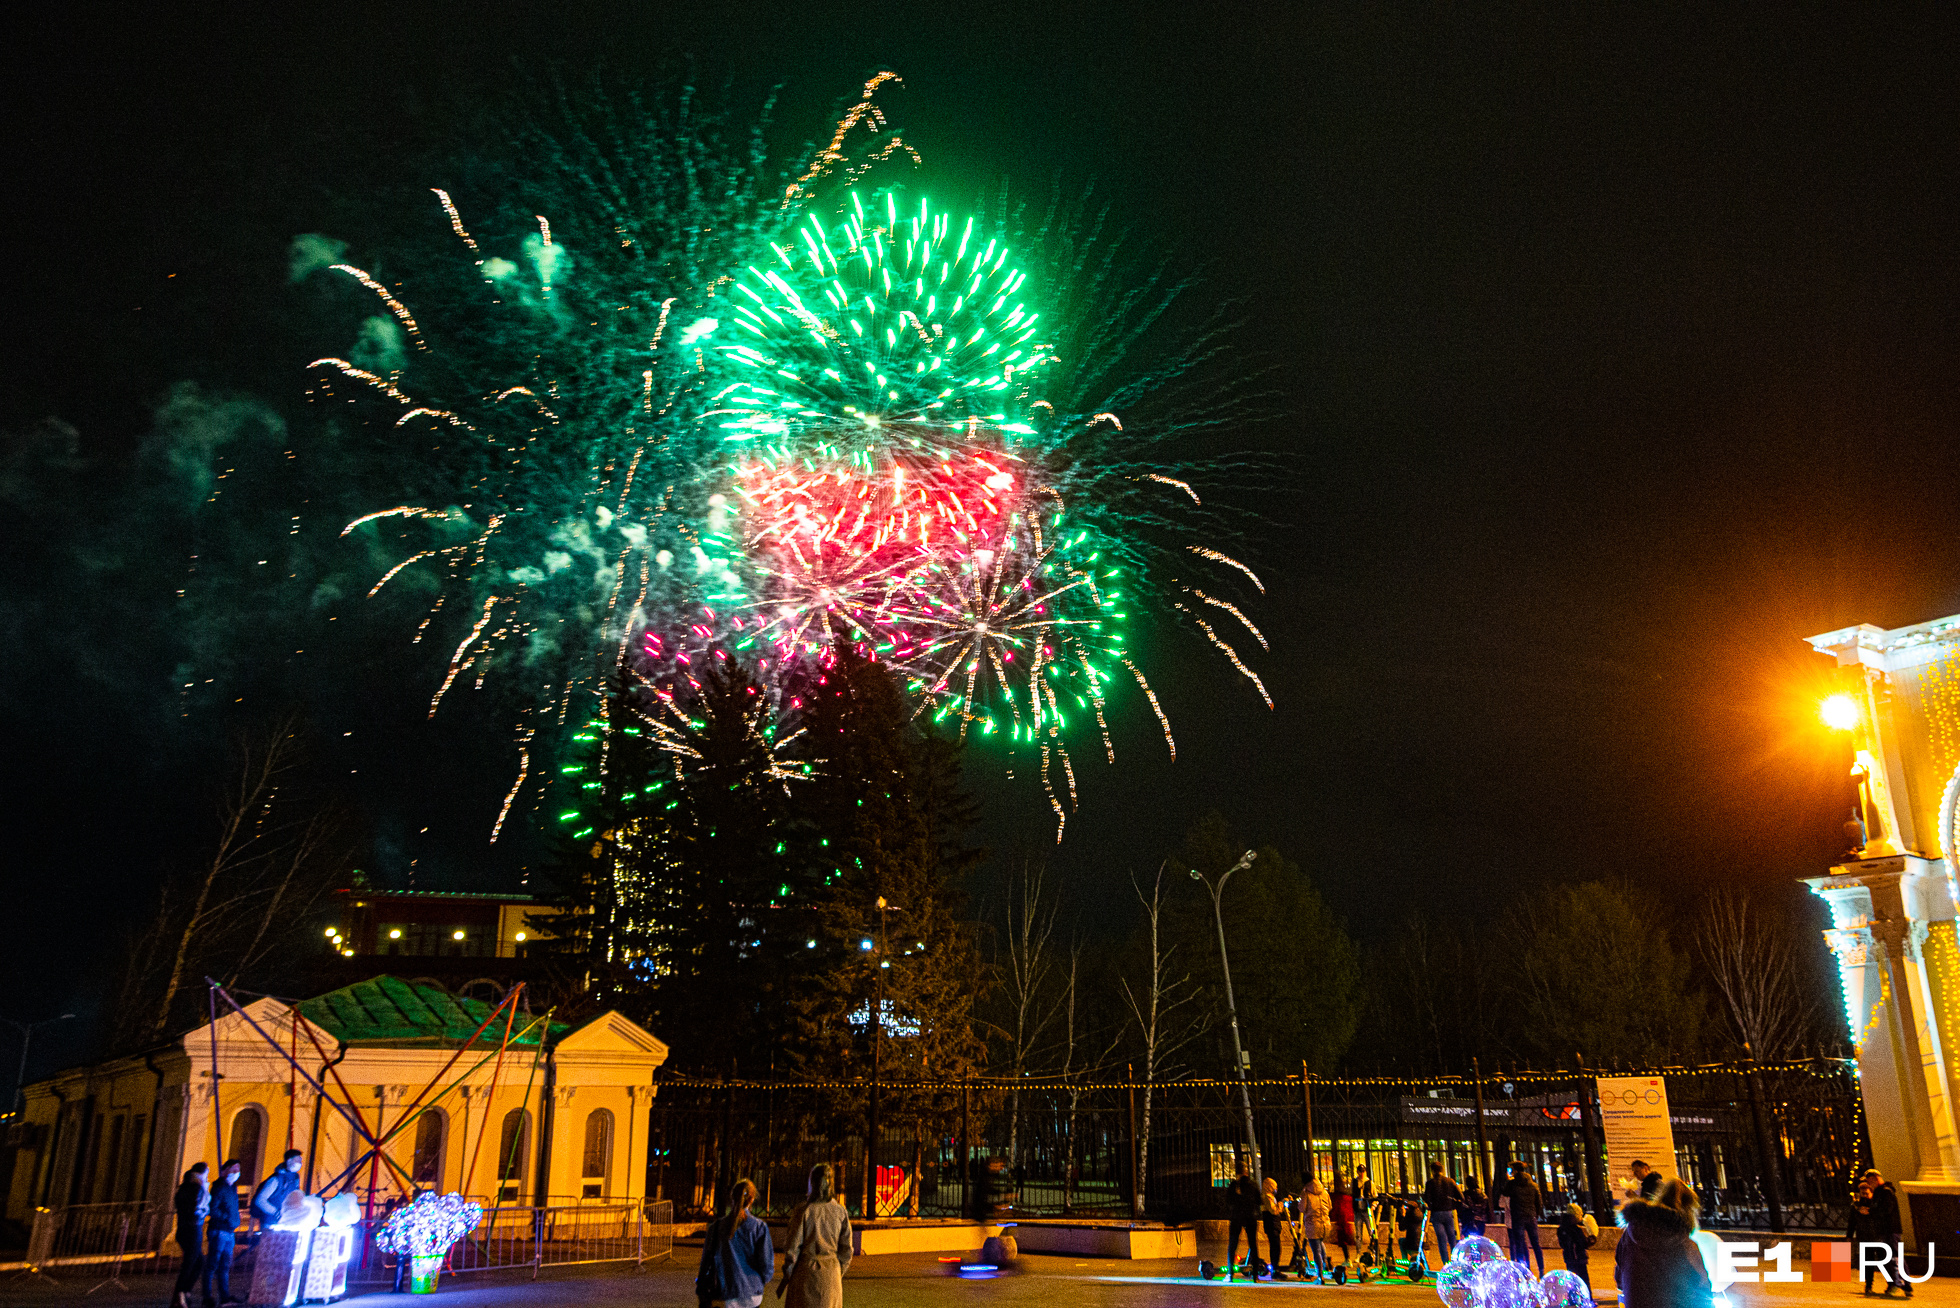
(1047, 1149)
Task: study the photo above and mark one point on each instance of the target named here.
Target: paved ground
(921, 1281)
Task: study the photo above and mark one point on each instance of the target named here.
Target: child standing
(1576, 1233)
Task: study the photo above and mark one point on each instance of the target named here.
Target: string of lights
(1819, 1066)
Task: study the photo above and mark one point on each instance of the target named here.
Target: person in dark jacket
(1272, 1215)
(192, 1202)
(1242, 1206)
(1573, 1241)
(1476, 1209)
(1656, 1264)
(1875, 1218)
(1526, 1205)
(1444, 1197)
(270, 1197)
(221, 1229)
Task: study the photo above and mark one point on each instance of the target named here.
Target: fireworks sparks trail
(394, 306)
(879, 422)
(455, 219)
(1184, 486)
(1216, 557)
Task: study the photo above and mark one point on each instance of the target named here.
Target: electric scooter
(1416, 1265)
(1303, 1267)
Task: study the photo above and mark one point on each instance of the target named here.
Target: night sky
(1616, 355)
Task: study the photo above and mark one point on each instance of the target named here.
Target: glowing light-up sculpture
(424, 1231)
(1892, 898)
(305, 1254)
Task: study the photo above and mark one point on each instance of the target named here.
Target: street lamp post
(26, 1030)
(1231, 1007)
(877, 1031)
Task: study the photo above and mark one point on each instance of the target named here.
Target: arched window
(247, 1142)
(430, 1128)
(598, 1152)
(513, 1143)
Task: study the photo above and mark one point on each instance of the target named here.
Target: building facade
(478, 945)
(1892, 905)
(557, 1116)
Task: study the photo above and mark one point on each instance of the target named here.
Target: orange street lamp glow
(1840, 712)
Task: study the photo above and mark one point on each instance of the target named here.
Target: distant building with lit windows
(475, 944)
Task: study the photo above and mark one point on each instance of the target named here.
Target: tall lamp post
(26, 1030)
(877, 1031)
(1231, 1007)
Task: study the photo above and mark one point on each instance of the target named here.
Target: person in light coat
(1316, 1223)
(818, 1248)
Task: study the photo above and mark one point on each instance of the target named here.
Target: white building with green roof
(530, 1113)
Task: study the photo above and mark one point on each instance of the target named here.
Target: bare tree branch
(1754, 969)
(1167, 1012)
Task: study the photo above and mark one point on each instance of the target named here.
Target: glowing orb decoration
(300, 1212)
(1505, 1284)
(1476, 1251)
(1453, 1285)
(1563, 1289)
(1840, 712)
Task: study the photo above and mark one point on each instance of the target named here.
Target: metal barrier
(506, 1237)
(113, 1238)
(609, 1233)
(659, 1229)
(564, 1236)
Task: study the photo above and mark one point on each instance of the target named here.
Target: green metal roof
(386, 1010)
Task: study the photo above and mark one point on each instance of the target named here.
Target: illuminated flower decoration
(427, 1227)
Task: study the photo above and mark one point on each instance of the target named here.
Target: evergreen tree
(681, 892)
(882, 817)
(1595, 974)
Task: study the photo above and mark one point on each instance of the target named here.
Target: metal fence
(111, 1239)
(1762, 1144)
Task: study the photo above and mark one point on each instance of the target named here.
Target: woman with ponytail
(737, 1256)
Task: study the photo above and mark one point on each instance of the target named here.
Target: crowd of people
(1656, 1262)
(208, 1222)
(1348, 1212)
